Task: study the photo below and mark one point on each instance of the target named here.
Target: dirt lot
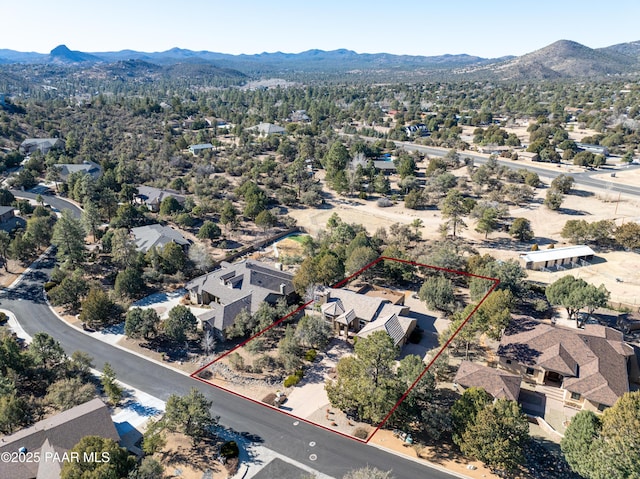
(582, 204)
(8, 277)
(181, 459)
(443, 456)
(623, 177)
(575, 133)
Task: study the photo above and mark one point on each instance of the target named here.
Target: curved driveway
(335, 454)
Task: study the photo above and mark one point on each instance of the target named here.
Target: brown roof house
(591, 366)
(56, 434)
(236, 287)
(500, 384)
(363, 314)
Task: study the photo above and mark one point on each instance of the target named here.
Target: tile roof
(395, 326)
(62, 431)
(238, 286)
(89, 167)
(150, 236)
(592, 360)
(154, 196)
(6, 209)
(364, 307)
(500, 384)
(267, 129)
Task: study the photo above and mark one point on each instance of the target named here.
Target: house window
(529, 371)
(508, 361)
(361, 324)
(575, 396)
(602, 407)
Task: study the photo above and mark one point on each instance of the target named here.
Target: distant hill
(631, 49)
(565, 59)
(562, 59)
(62, 54)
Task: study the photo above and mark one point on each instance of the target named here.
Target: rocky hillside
(564, 59)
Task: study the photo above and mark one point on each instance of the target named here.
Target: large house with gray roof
(87, 167)
(156, 236)
(152, 197)
(236, 287)
(44, 145)
(55, 435)
(350, 311)
(591, 366)
(267, 129)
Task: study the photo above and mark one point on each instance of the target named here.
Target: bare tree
(208, 342)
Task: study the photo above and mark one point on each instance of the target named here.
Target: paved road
(582, 178)
(336, 455)
(53, 201)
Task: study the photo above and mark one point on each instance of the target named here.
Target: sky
(486, 28)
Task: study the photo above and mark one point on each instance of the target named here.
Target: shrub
(236, 361)
(310, 355)
(265, 362)
(361, 432)
(3, 318)
(384, 202)
(294, 378)
(229, 449)
(540, 305)
(206, 374)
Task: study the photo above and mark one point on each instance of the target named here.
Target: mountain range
(562, 59)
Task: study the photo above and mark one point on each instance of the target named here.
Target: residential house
(55, 435)
(156, 236)
(199, 148)
(266, 129)
(386, 167)
(499, 383)
(88, 167)
(152, 197)
(30, 145)
(364, 314)
(596, 149)
(6, 213)
(494, 149)
(558, 258)
(299, 116)
(236, 287)
(591, 367)
(9, 222)
(417, 130)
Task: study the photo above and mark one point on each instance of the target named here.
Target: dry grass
(181, 459)
(8, 277)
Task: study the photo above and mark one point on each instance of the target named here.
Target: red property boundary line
(495, 282)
